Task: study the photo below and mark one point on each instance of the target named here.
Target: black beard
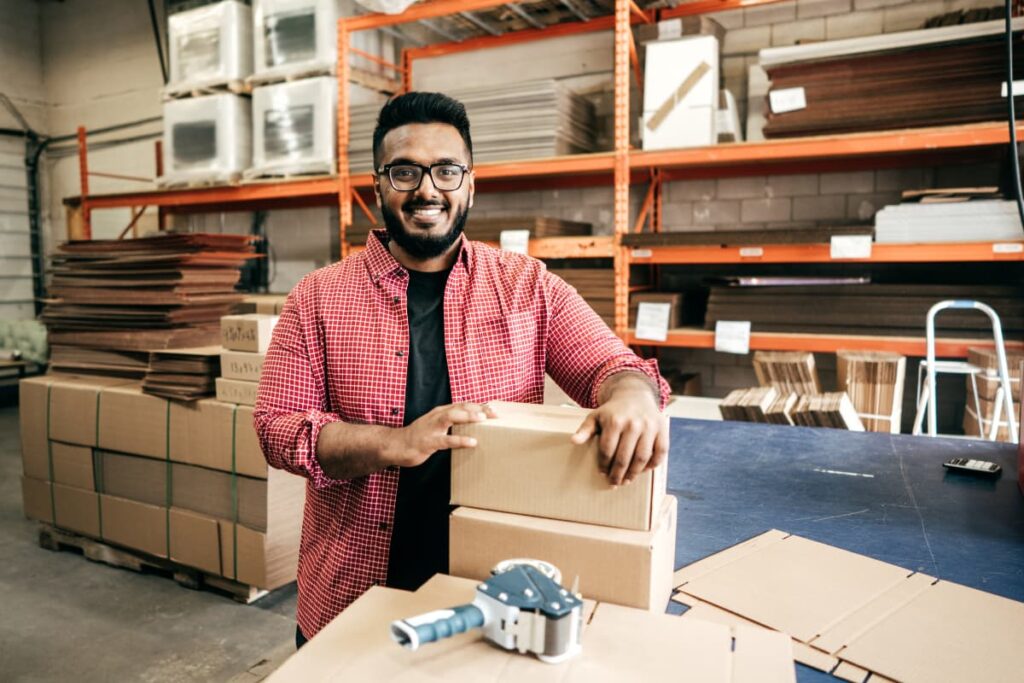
(423, 246)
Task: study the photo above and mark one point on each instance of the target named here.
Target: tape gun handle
(437, 625)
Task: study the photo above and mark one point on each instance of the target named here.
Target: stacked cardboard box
(787, 371)
(245, 339)
(184, 482)
(527, 491)
(769, 405)
(989, 400)
(874, 380)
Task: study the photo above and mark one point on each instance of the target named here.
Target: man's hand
(633, 434)
(413, 444)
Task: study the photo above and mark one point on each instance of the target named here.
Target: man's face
(425, 222)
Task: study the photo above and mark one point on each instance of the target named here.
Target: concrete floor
(65, 618)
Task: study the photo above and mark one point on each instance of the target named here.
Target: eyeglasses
(406, 177)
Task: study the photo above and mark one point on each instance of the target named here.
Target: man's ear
(472, 188)
(376, 191)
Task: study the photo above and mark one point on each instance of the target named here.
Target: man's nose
(427, 189)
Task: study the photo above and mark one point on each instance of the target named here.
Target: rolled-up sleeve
(291, 403)
(583, 353)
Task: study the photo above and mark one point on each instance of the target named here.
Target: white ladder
(927, 395)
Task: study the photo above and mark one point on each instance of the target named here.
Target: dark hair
(420, 107)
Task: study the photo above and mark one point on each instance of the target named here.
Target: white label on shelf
(652, 321)
(642, 253)
(851, 246)
(732, 336)
(1007, 247)
(751, 252)
(787, 99)
(517, 241)
(1018, 89)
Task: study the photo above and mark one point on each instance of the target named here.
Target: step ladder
(930, 368)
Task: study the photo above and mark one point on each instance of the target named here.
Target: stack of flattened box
(185, 482)
(527, 491)
(989, 399)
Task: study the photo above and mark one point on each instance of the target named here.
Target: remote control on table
(973, 466)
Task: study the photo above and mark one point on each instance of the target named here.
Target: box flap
(727, 556)
(135, 525)
(72, 465)
(76, 510)
(134, 422)
(195, 541)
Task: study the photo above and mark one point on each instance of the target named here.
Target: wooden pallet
(236, 87)
(56, 539)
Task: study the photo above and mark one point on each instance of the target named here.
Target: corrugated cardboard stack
(874, 380)
(184, 482)
(787, 371)
(988, 389)
(527, 491)
(245, 339)
(769, 405)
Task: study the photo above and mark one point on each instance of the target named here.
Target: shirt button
(394, 411)
(396, 300)
(383, 526)
(399, 353)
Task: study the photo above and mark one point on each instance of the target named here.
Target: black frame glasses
(439, 183)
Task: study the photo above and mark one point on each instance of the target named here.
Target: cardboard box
(195, 541)
(60, 407)
(212, 434)
(76, 510)
(241, 365)
(135, 525)
(673, 299)
(847, 610)
(619, 644)
(248, 332)
(640, 576)
(131, 421)
(37, 499)
(524, 463)
(132, 477)
(73, 465)
(236, 391)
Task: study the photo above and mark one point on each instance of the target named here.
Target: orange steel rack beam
(821, 253)
(693, 338)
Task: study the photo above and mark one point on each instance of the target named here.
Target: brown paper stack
(874, 381)
(787, 371)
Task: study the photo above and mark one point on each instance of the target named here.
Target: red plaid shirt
(339, 352)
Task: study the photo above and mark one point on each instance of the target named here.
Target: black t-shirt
(419, 537)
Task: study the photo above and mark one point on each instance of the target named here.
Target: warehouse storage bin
(209, 46)
(206, 139)
(294, 127)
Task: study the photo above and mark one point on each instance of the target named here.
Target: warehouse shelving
(620, 169)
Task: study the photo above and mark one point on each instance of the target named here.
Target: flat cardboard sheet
(525, 463)
(859, 614)
(619, 644)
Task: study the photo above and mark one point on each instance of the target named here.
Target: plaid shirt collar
(380, 262)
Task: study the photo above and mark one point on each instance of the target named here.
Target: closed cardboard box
(76, 510)
(241, 365)
(36, 498)
(639, 576)
(215, 434)
(525, 463)
(195, 541)
(135, 525)
(236, 391)
(73, 465)
(249, 332)
(131, 421)
(136, 478)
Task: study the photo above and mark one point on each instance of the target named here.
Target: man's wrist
(626, 383)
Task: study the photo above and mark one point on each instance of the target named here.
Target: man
(375, 358)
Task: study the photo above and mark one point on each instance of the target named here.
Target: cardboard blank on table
(619, 644)
(858, 613)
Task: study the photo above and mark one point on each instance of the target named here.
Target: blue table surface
(884, 496)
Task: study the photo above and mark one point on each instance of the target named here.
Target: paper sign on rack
(517, 241)
(652, 321)
(787, 99)
(732, 336)
(850, 246)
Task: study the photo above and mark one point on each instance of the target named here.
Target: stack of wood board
(144, 294)
(527, 120)
(877, 309)
(182, 374)
(787, 371)
(245, 340)
(489, 229)
(596, 286)
(831, 409)
(874, 381)
(184, 482)
(940, 76)
(966, 220)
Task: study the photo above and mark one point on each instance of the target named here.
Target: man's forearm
(349, 451)
(628, 381)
